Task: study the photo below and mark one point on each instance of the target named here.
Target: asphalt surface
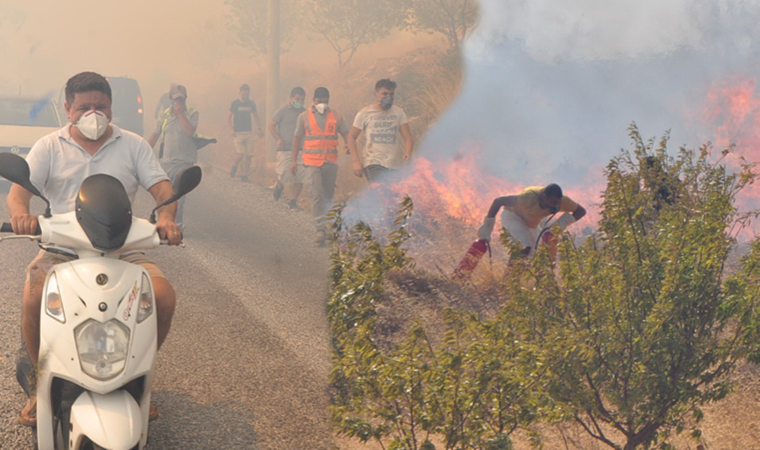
(246, 363)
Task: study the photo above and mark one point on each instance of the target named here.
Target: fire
(456, 188)
(460, 189)
(732, 110)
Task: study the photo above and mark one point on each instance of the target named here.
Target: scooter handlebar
(7, 228)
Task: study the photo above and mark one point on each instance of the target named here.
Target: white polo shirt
(59, 165)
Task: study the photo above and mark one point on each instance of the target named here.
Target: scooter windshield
(104, 211)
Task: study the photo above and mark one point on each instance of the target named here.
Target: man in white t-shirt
(382, 124)
(58, 164)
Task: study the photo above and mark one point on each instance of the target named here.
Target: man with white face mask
(58, 164)
(384, 126)
(317, 129)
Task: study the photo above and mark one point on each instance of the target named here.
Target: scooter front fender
(112, 420)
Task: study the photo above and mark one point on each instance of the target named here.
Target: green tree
(249, 20)
(642, 327)
(455, 19)
(472, 390)
(348, 24)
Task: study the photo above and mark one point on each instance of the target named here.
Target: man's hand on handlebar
(25, 224)
(169, 231)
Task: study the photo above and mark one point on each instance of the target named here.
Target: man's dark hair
(321, 92)
(245, 88)
(178, 89)
(553, 190)
(86, 82)
(298, 90)
(385, 83)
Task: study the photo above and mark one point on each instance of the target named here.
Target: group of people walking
(308, 140)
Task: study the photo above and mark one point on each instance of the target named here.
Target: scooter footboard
(112, 421)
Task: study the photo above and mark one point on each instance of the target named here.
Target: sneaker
(233, 171)
(244, 179)
(277, 191)
(321, 237)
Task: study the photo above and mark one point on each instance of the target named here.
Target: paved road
(246, 363)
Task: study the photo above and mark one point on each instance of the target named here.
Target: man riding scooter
(58, 164)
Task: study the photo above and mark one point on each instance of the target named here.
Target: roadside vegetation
(637, 329)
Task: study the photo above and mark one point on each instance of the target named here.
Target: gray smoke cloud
(551, 87)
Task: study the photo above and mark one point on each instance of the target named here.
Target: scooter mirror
(15, 169)
(188, 180)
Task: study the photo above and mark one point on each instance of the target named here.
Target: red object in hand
(548, 238)
(471, 260)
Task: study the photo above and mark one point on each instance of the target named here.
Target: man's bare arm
(167, 228)
(294, 149)
(353, 135)
(272, 127)
(184, 122)
(498, 203)
(406, 133)
(579, 212)
(259, 128)
(152, 139)
(18, 207)
(161, 191)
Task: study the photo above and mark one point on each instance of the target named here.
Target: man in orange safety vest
(316, 134)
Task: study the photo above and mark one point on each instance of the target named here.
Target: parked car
(23, 121)
(127, 106)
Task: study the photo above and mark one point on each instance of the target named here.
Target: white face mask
(92, 124)
(321, 108)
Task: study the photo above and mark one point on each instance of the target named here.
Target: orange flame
(732, 109)
(460, 189)
(456, 188)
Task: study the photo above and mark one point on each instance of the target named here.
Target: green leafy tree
(455, 19)
(642, 327)
(249, 20)
(472, 390)
(348, 24)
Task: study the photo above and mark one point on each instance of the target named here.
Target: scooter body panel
(101, 288)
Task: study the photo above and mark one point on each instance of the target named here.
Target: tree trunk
(273, 72)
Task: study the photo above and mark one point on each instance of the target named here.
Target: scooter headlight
(53, 303)
(146, 300)
(102, 348)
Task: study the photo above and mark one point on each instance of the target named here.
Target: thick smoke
(551, 88)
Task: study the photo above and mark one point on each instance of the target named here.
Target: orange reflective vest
(320, 145)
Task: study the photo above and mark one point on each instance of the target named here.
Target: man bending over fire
(527, 216)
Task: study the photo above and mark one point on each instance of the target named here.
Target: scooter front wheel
(92, 446)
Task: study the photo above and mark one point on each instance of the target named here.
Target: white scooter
(98, 335)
